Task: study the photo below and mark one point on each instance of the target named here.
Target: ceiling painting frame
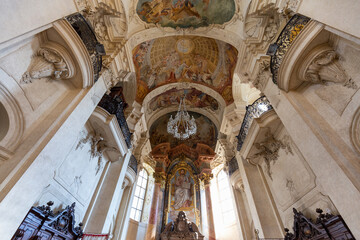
(216, 120)
(180, 86)
(133, 16)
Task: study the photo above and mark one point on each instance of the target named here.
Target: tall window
(225, 199)
(138, 202)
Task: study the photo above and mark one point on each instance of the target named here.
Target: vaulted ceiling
(196, 68)
(190, 59)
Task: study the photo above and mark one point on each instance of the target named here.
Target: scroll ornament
(51, 61)
(322, 65)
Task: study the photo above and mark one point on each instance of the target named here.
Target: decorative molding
(16, 128)
(159, 177)
(206, 178)
(269, 151)
(52, 61)
(321, 65)
(263, 75)
(98, 147)
(355, 131)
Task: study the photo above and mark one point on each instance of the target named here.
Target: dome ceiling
(186, 13)
(193, 99)
(201, 60)
(206, 132)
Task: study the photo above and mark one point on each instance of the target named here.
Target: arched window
(138, 202)
(223, 207)
(225, 199)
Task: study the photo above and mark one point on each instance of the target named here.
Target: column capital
(206, 177)
(159, 177)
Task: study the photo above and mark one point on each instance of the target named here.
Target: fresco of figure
(182, 191)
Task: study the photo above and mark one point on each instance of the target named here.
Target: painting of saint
(182, 194)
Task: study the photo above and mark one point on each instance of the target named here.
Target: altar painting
(182, 196)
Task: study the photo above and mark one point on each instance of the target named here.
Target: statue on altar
(181, 228)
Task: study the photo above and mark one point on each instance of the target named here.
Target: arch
(215, 119)
(215, 33)
(16, 125)
(214, 116)
(4, 122)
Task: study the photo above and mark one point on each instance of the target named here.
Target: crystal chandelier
(182, 127)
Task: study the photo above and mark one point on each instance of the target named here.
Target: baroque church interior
(179, 119)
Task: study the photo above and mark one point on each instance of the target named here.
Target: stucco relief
(336, 96)
(78, 173)
(52, 61)
(292, 177)
(269, 152)
(322, 65)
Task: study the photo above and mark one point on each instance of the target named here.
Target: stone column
(210, 218)
(155, 206)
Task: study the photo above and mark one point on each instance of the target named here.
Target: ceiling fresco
(186, 13)
(193, 98)
(206, 132)
(194, 59)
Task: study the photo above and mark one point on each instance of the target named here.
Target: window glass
(225, 203)
(139, 196)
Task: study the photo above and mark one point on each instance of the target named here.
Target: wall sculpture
(185, 13)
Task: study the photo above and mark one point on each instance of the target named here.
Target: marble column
(210, 217)
(155, 206)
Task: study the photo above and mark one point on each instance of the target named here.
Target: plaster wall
(136, 230)
(34, 108)
(45, 158)
(293, 184)
(320, 152)
(334, 103)
(75, 178)
(27, 15)
(333, 12)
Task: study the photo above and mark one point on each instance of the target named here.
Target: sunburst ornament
(182, 126)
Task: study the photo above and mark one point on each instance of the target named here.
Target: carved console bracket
(321, 65)
(52, 61)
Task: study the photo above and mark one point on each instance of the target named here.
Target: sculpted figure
(181, 228)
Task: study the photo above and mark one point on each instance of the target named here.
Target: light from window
(225, 199)
(139, 196)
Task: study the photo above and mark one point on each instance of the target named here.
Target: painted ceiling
(194, 59)
(185, 13)
(193, 98)
(206, 132)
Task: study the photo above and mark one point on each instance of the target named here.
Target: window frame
(138, 197)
